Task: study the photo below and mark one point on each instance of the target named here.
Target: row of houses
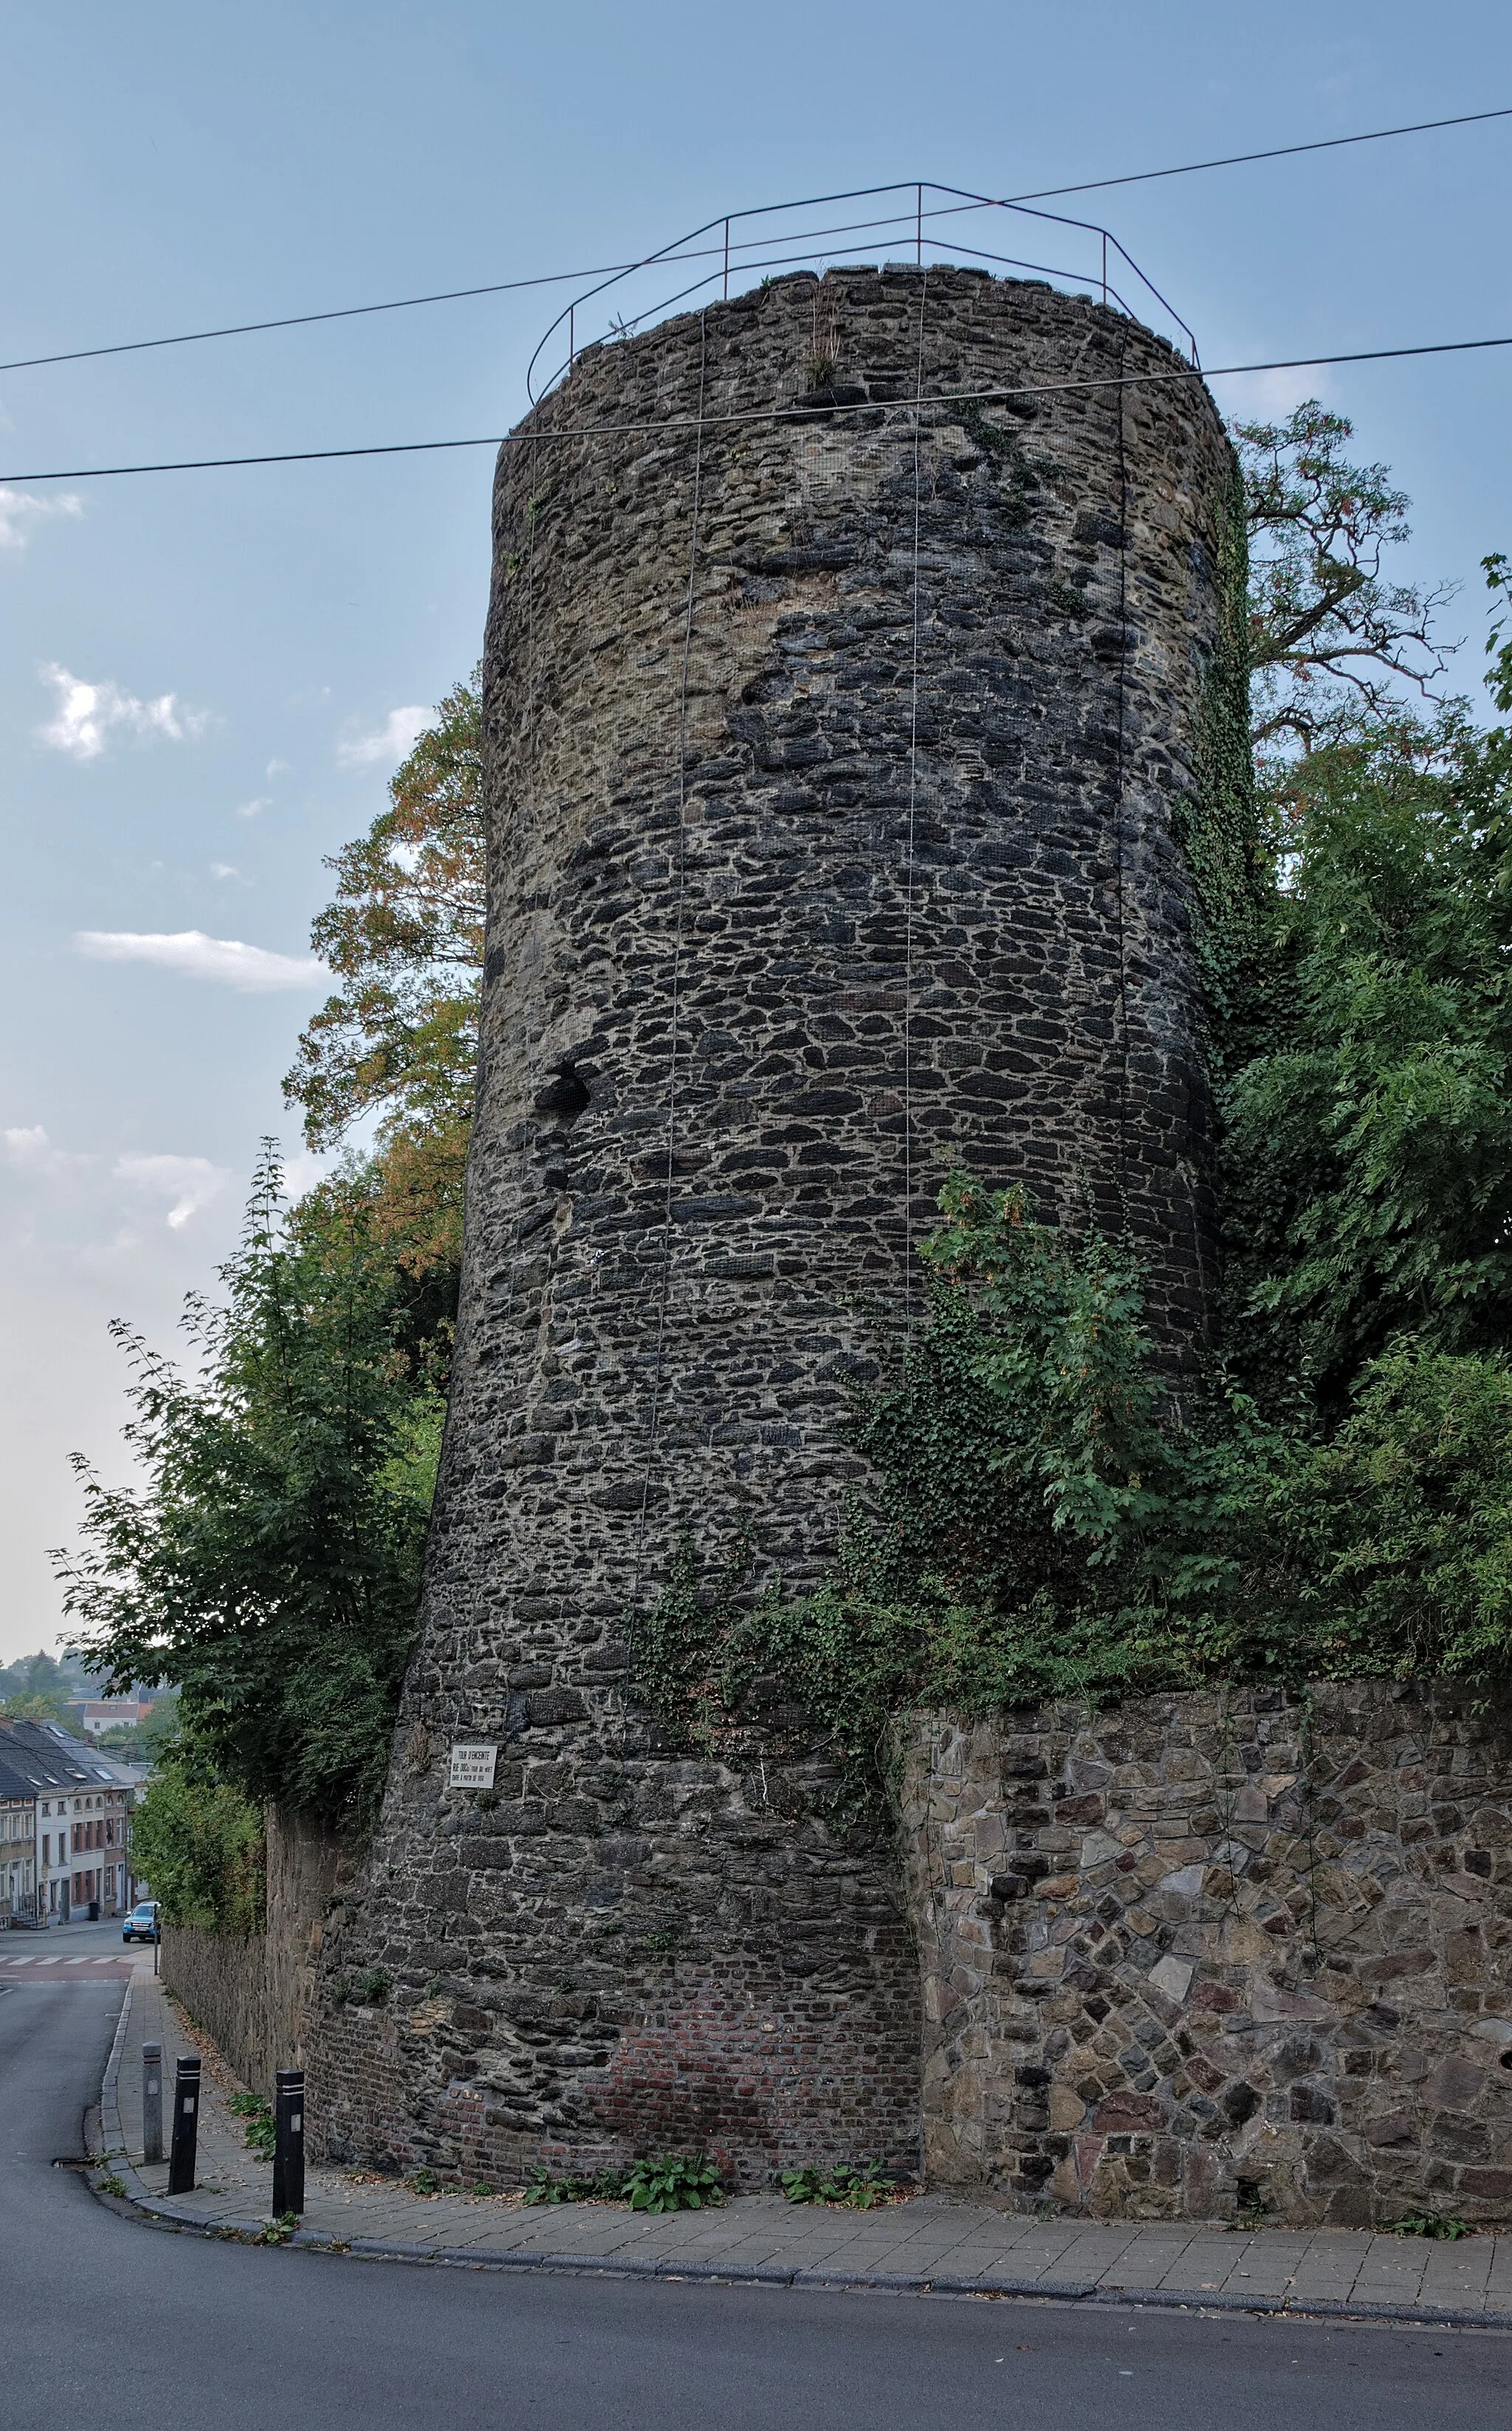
(65, 1826)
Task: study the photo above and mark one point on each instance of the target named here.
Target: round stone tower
(849, 654)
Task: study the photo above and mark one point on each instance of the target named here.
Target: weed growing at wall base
(670, 2181)
(856, 2187)
(260, 2133)
(1446, 2225)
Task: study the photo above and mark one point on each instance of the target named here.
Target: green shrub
(1430, 2224)
(261, 2135)
(858, 2186)
(599, 2186)
(671, 2182)
(199, 1843)
(1047, 1520)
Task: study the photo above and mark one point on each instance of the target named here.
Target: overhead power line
(618, 269)
(304, 320)
(1239, 160)
(764, 413)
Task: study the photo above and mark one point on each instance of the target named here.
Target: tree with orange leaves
(404, 935)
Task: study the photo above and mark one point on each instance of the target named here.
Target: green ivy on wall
(1046, 1523)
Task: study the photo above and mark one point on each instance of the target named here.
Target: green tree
(59, 1683)
(1367, 1151)
(404, 934)
(1331, 637)
(270, 1565)
(24, 1708)
(198, 1844)
(1397, 1530)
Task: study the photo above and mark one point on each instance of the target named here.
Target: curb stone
(138, 2204)
(105, 2144)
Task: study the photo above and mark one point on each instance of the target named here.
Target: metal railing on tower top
(739, 248)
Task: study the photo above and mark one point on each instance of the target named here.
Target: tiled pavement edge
(930, 2243)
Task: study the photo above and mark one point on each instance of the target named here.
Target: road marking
(115, 1967)
(13, 1966)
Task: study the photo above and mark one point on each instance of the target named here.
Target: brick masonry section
(838, 748)
(1203, 1953)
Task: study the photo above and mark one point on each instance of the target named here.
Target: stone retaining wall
(1203, 1954)
(251, 1991)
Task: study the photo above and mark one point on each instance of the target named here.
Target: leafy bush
(262, 2134)
(597, 2185)
(671, 2182)
(1430, 2224)
(1048, 1521)
(1368, 1157)
(199, 1843)
(368, 1990)
(859, 2187)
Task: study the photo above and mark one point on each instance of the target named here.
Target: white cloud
(19, 511)
(250, 810)
(276, 768)
(32, 1152)
(393, 739)
(228, 869)
(250, 969)
(302, 1172)
(189, 1182)
(87, 713)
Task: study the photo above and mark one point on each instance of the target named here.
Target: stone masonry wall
(1205, 1952)
(839, 733)
(252, 1991)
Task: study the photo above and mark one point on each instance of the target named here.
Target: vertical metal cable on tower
(679, 903)
(1121, 1010)
(913, 800)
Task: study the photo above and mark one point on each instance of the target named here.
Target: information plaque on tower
(473, 1765)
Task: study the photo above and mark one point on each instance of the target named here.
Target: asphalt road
(106, 2319)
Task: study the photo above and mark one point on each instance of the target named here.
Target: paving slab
(931, 2239)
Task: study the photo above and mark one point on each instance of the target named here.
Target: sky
(206, 677)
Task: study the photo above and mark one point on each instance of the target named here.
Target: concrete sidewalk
(930, 2242)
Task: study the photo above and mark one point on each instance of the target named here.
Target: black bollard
(152, 2101)
(186, 2125)
(288, 2142)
